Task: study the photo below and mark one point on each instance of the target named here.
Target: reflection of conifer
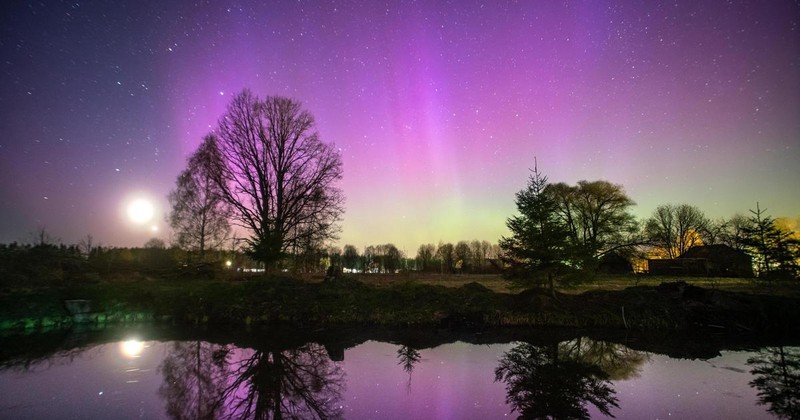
(777, 378)
(408, 357)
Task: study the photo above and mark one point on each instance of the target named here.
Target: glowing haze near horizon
(438, 107)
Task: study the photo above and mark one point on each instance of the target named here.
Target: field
(498, 284)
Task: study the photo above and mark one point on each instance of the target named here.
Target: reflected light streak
(131, 348)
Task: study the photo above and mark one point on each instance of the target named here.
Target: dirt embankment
(670, 306)
(344, 302)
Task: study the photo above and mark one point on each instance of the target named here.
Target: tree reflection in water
(559, 380)
(777, 379)
(253, 384)
(194, 380)
(408, 357)
(615, 360)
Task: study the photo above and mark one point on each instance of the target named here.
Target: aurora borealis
(438, 107)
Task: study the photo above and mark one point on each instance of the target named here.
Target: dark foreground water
(432, 375)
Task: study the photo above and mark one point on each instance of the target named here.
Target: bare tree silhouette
(209, 381)
(194, 380)
(296, 383)
(199, 215)
(277, 175)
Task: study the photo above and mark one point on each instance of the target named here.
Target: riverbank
(349, 302)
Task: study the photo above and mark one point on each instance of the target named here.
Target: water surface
(131, 375)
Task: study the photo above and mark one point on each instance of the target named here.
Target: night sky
(438, 108)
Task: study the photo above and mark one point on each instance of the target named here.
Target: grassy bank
(497, 283)
(407, 301)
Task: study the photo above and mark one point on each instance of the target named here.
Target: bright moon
(140, 211)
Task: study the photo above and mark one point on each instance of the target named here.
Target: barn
(707, 260)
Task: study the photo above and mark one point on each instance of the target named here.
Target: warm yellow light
(228, 263)
(131, 348)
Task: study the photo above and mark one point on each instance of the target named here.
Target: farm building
(707, 260)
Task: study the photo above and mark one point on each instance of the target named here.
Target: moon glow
(140, 211)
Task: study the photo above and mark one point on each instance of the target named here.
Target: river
(155, 372)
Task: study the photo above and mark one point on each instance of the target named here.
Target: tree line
(46, 263)
(464, 257)
(563, 233)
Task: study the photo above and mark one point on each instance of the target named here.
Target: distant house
(677, 267)
(707, 260)
(614, 263)
(722, 260)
